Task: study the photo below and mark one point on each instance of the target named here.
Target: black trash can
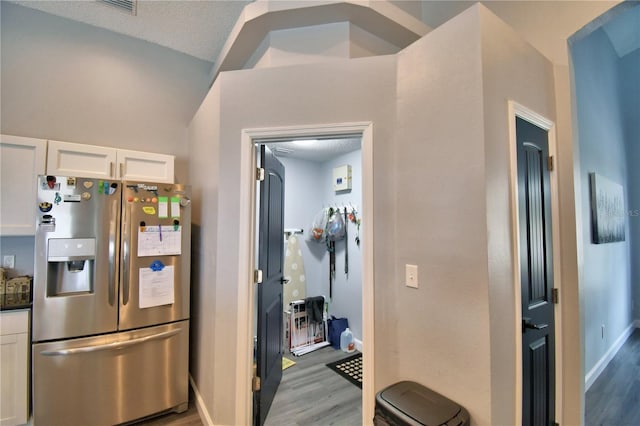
(410, 403)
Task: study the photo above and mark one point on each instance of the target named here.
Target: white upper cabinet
(145, 166)
(73, 159)
(21, 161)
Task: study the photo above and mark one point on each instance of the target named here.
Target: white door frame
(517, 110)
(247, 234)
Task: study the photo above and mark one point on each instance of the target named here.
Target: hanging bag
(336, 326)
(335, 225)
(318, 226)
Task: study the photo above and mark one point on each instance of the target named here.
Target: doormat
(350, 368)
(286, 363)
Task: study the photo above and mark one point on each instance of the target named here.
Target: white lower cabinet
(14, 367)
(80, 160)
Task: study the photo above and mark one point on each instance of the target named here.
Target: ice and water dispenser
(70, 266)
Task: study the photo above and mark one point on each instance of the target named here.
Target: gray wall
(67, 81)
(308, 189)
(605, 286)
(302, 201)
(347, 288)
(629, 71)
(73, 82)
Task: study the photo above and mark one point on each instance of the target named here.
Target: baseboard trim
(202, 409)
(594, 373)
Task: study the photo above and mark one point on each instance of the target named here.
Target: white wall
(259, 98)
(463, 255)
(512, 70)
(317, 43)
(441, 219)
(203, 173)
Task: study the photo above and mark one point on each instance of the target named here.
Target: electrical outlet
(411, 276)
(9, 261)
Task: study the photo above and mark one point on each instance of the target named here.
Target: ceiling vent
(128, 6)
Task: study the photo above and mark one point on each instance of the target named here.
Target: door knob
(526, 324)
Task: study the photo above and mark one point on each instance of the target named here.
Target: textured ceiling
(197, 28)
(317, 151)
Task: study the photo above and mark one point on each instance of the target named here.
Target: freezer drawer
(111, 379)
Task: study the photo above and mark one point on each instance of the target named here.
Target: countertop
(12, 307)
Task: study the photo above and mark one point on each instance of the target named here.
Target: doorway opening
(339, 272)
(605, 60)
(322, 277)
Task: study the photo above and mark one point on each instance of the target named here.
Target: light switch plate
(411, 276)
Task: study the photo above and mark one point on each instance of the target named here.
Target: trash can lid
(422, 404)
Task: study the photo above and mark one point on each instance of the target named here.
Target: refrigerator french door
(76, 258)
(111, 301)
(155, 244)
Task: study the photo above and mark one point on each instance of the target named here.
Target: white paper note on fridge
(156, 287)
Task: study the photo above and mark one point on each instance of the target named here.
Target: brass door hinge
(257, 276)
(550, 164)
(255, 384)
(555, 296)
(260, 174)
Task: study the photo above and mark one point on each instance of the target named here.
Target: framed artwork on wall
(607, 210)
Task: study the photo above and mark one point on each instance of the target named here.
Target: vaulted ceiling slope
(201, 28)
(197, 28)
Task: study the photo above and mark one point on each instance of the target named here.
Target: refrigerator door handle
(113, 259)
(113, 345)
(126, 241)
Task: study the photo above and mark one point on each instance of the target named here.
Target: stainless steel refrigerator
(110, 301)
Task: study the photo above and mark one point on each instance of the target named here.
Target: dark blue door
(270, 262)
(536, 269)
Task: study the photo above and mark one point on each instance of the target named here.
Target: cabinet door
(80, 160)
(14, 368)
(21, 161)
(145, 166)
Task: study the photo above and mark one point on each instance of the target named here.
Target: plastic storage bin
(410, 403)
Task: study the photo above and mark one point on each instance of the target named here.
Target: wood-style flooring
(312, 394)
(309, 394)
(614, 398)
